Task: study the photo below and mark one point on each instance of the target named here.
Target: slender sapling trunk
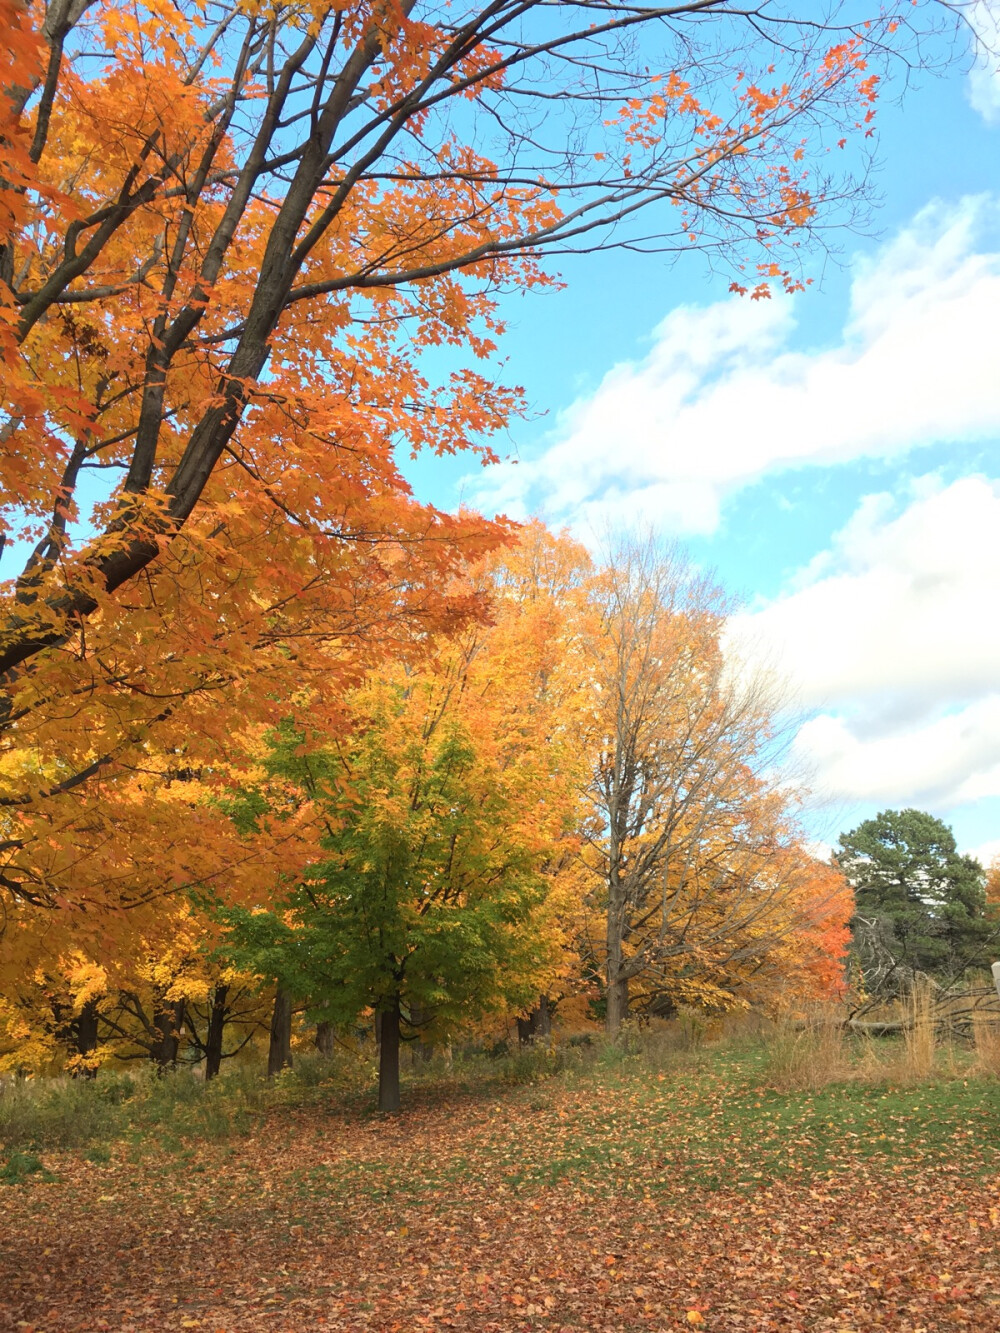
(388, 1064)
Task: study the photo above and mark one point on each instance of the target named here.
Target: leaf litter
(640, 1203)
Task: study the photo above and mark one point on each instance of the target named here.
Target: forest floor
(615, 1195)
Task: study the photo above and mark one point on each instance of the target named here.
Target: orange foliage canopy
(229, 237)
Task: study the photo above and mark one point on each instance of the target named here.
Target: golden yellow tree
(696, 863)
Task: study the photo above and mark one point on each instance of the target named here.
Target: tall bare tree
(694, 856)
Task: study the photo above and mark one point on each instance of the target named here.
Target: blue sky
(833, 457)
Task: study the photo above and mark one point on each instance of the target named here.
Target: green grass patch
(709, 1123)
(640, 1119)
(20, 1167)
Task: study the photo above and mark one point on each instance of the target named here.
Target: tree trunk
(420, 1019)
(85, 1032)
(614, 937)
(324, 1038)
(167, 1023)
(388, 1064)
(537, 1024)
(216, 1031)
(279, 1054)
(617, 1004)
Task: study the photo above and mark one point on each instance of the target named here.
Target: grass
(65, 1113)
(798, 1093)
(20, 1166)
(756, 1178)
(696, 1120)
(920, 1038)
(708, 1123)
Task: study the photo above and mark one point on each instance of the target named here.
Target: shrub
(58, 1113)
(529, 1064)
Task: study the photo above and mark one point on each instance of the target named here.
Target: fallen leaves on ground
(630, 1206)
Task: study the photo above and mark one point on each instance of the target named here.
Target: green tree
(428, 906)
(921, 905)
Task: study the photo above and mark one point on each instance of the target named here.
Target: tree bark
(279, 1054)
(324, 1037)
(617, 1003)
(167, 1023)
(537, 1024)
(615, 933)
(526, 1028)
(85, 1031)
(420, 1020)
(543, 1023)
(216, 1031)
(388, 1064)
(618, 984)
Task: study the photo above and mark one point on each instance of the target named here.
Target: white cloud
(984, 77)
(892, 636)
(720, 401)
(986, 853)
(899, 614)
(947, 762)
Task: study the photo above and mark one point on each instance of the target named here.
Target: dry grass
(986, 1035)
(805, 1054)
(920, 1034)
(808, 1053)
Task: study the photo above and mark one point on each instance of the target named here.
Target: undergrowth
(805, 1056)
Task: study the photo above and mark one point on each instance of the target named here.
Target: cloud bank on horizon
(888, 635)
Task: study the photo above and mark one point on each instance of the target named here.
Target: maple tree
(444, 803)
(227, 237)
(992, 885)
(539, 588)
(578, 761)
(696, 864)
(51, 1022)
(806, 936)
(119, 878)
(165, 998)
(416, 912)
